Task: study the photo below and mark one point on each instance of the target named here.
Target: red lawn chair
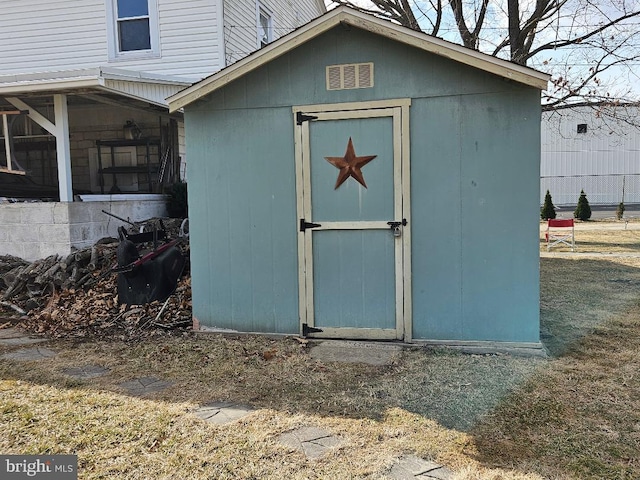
(560, 232)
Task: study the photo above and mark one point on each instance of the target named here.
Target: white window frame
(112, 31)
(260, 11)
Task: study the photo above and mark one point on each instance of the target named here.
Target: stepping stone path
(312, 441)
(29, 354)
(15, 336)
(85, 372)
(145, 385)
(410, 467)
(355, 352)
(220, 413)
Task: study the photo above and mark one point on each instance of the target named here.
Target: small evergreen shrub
(548, 210)
(620, 211)
(583, 210)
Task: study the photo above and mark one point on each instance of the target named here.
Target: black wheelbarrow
(152, 276)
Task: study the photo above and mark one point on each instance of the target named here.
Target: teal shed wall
(475, 150)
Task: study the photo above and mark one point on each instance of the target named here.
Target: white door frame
(398, 110)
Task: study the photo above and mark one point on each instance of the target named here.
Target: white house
(82, 103)
(582, 150)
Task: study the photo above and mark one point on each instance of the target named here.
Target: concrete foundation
(40, 229)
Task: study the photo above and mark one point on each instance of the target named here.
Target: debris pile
(76, 296)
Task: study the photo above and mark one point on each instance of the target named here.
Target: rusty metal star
(350, 165)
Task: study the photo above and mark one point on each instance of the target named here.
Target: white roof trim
(80, 79)
(364, 21)
(134, 76)
(35, 86)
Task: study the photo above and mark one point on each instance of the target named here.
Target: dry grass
(573, 416)
(579, 417)
(118, 436)
(601, 237)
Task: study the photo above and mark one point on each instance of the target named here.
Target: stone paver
(355, 352)
(312, 441)
(29, 354)
(220, 413)
(145, 385)
(15, 336)
(85, 372)
(410, 467)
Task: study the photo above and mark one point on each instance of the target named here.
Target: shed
(357, 179)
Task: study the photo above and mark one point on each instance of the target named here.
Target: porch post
(63, 149)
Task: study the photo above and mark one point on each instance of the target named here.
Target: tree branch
(564, 43)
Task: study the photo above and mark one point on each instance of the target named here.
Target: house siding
(241, 28)
(149, 91)
(73, 34)
(50, 35)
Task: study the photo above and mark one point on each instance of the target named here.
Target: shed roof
(348, 16)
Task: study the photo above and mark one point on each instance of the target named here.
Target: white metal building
(582, 150)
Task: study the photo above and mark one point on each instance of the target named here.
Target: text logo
(45, 467)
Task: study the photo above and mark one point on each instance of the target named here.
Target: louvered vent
(354, 75)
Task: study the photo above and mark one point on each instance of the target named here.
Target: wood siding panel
(246, 274)
(474, 141)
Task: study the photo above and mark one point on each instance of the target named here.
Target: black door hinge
(304, 225)
(306, 330)
(301, 118)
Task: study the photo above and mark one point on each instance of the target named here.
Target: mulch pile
(76, 296)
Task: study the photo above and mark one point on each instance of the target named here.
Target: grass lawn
(575, 415)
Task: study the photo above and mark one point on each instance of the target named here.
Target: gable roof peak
(364, 21)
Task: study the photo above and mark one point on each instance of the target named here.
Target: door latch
(395, 227)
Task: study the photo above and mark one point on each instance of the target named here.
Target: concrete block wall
(88, 223)
(34, 230)
(40, 229)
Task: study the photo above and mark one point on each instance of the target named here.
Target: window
(133, 25)
(265, 26)
(582, 128)
(133, 28)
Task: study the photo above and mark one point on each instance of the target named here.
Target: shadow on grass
(459, 391)
(576, 296)
(454, 389)
(576, 418)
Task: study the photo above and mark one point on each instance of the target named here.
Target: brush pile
(76, 296)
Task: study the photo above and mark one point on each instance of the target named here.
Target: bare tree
(590, 47)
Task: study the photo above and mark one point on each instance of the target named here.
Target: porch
(75, 144)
